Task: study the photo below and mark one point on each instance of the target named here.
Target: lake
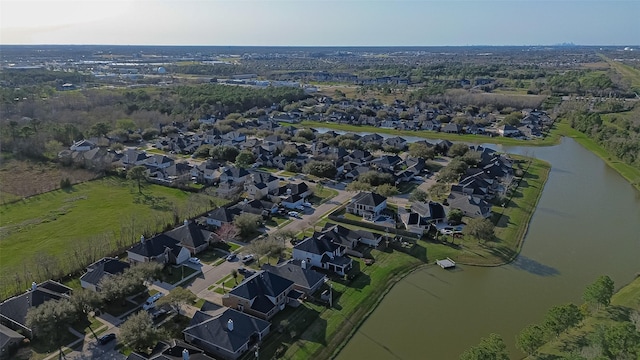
(587, 224)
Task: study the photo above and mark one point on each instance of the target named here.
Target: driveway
(309, 218)
(210, 275)
(91, 349)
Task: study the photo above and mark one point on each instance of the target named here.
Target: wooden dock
(446, 263)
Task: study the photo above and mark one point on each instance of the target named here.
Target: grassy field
(629, 172)
(551, 139)
(625, 301)
(626, 71)
(53, 224)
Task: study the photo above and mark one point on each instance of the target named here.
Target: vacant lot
(58, 232)
(21, 179)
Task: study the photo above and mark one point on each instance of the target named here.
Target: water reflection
(534, 267)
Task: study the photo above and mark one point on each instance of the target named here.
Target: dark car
(106, 339)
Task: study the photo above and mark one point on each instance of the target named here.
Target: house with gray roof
(321, 252)
(367, 204)
(174, 350)
(13, 311)
(191, 236)
(304, 279)
(161, 248)
(470, 206)
(223, 332)
(9, 341)
(262, 294)
(101, 269)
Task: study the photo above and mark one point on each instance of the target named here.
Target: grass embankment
(551, 139)
(627, 171)
(318, 331)
(628, 72)
(512, 221)
(51, 225)
(624, 302)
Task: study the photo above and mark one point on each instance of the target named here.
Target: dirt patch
(23, 178)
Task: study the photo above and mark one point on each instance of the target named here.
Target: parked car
(247, 258)
(300, 207)
(194, 260)
(307, 204)
(151, 301)
(106, 339)
(245, 272)
(156, 313)
(231, 257)
(293, 214)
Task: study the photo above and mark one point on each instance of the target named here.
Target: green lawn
(172, 275)
(626, 300)
(89, 216)
(551, 139)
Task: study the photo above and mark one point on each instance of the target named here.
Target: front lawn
(172, 275)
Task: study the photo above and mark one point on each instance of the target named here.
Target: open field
(23, 178)
(551, 139)
(92, 217)
(626, 71)
(625, 301)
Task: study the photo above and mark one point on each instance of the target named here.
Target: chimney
(142, 239)
(34, 286)
(185, 354)
(186, 222)
(230, 325)
(303, 264)
(288, 191)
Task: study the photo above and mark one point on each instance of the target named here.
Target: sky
(320, 22)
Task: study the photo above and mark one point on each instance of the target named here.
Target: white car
(293, 214)
(151, 301)
(194, 260)
(307, 204)
(247, 258)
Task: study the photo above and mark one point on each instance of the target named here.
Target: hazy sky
(320, 22)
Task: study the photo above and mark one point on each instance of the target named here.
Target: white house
(321, 252)
(367, 204)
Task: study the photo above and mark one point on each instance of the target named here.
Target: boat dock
(446, 263)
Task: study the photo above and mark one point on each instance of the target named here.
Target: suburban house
(301, 189)
(470, 206)
(13, 311)
(191, 236)
(350, 238)
(305, 280)
(99, 270)
(260, 185)
(82, 145)
(223, 332)
(367, 204)
(176, 350)
(508, 130)
(263, 208)
(162, 248)
(321, 252)
(262, 294)
(9, 340)
(219, 217)
(431, 212)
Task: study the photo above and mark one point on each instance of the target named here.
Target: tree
(138, 331)
(561, 317)
(421, 150)
(530, 339)
(619, 340)
(234, 274)
(126, 124)
(247, 223)
(244, 159)
(387, 190)
(359, 186)
(438, 191)
(480, 228)
(138, 174)
(458, 150)
(600, 292)
(418, 195)
(454, 216)
(228, 232)
(85, 301)
(100, 129)
(320, 169)
(177, 297)
(490, 348)
(291, 166)
(289, 151)
(50, 320)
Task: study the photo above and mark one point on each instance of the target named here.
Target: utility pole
(257, 352)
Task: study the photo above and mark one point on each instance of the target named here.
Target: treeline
(621, 138)
(225, 70)
(464, 98)
(27, 77)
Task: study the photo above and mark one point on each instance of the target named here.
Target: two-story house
(367, 204)
(322, 253)
(262, 294)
